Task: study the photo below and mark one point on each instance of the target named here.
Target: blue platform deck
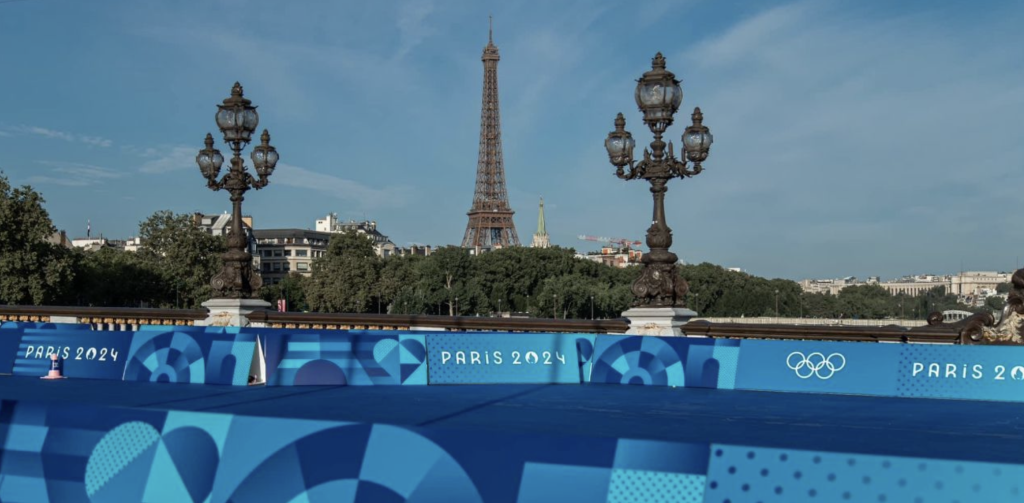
(952, 429)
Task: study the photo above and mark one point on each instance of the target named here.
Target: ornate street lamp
(658, 95)
(237, 120)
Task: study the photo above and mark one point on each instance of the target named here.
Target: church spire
(541, 239)
(541, 229)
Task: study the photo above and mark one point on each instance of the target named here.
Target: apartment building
(283, 251)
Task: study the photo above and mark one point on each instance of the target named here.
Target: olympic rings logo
(815, 364)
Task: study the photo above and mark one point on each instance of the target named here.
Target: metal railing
(104, 318)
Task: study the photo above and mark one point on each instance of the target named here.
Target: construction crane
(623, 243)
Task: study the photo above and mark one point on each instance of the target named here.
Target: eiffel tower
(490, 218)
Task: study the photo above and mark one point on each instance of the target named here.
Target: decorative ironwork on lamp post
(237, 120)
(659, 95)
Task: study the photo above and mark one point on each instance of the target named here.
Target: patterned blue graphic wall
(743, 474)
(897, 370)
(73, 453)
(208, 357)
(665, 361)
(68, 453)
(213, 355)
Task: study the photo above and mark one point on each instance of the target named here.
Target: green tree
(995, 303)
(186, 257)
(117, 278)
(291, 288)
(865, 301)
(344, 279)
(819, 305)
(32, 270)
(445, 277)
(399, 287)
(569, 296)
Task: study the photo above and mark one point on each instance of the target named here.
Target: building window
(301, 253)
(302, 266)
(277, 266)
(287, 253)
(277, 253)
(266, 267)
(287, 267)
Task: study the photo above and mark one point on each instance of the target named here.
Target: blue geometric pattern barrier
(214, 355)
(178, 356)
(73, 453)
(668, 361)
(344, 358)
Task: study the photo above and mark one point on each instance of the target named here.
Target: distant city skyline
(867, 139)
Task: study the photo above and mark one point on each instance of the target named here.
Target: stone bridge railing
(109, 318)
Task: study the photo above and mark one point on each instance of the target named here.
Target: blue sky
(851, 138)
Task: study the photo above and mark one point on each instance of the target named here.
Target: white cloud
(95, 141)
(411, 26)
(282, 66)
(74, 174)
(165, 160)
(56, 180)
(362, 196)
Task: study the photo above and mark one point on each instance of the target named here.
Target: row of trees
(542, 282)
(177, 260)
(172, 269)
(553, 283)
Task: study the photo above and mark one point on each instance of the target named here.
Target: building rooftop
(290, 233)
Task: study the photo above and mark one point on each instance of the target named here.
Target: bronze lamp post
(658, 95)
(237, 119)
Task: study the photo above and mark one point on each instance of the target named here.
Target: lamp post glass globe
(620, 143)
(697, 138)
(264, 156)
(209, 159)
(237, 118)
(658, 94)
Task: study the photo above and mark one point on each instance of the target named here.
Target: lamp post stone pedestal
(232, 312)
(660, 321)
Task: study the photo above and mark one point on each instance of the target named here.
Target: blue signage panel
(495, 358)
(967, 372)
(86, 353)
(854, 368)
